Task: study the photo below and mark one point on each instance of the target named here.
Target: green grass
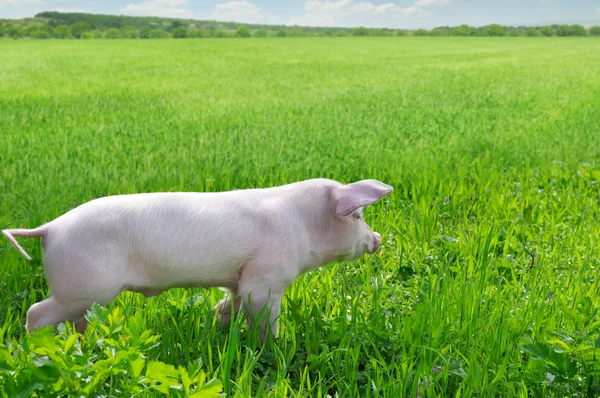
(486, 283)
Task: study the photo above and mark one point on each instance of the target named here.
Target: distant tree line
(499, 31)
(59, 25)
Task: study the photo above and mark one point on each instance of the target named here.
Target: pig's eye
(357, 216)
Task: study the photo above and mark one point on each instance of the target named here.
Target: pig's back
(200, 238)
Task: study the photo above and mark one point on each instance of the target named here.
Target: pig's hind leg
(55, 310)
(51, 312)
(74, 291)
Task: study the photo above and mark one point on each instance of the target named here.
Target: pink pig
(253, 242)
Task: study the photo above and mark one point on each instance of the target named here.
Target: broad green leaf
(538, 351)
(211, 389)
(185, 379)
(455, 368)
(70, 342)
(26, 392)
(97, 313)
(137, 366)
(6, 360)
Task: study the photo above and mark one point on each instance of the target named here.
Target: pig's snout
(376, 243)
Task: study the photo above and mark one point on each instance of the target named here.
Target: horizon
(586, 24)
(403, 14)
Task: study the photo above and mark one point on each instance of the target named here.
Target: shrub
(360, 31)
(493, 30)
(62, 32)
(442, 31)
(595, 31)
(220, 34)
(198, 33)
(129, 32)
(463, 30)
(297, 33)
(97, 34)
(261, 33)
(562, 30)
(532, 32)
(40, 35)
(31, 30)
(112, 33)
(381, 32)
(14, 32)
(548, 31)
(87, 35)
(515, 32)
(78, 28)
(145, 33)
(341, 33)
(401, 32)
(280, 33)
(47, 29)
(179, 33)
(421, 32)
(159, 34)
(576, 30)
(242, 31)
(327, 32)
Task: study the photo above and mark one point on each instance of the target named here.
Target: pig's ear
(362, 193)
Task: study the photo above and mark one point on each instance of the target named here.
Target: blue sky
(372, 13)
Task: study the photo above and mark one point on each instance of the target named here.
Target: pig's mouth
(372, 248)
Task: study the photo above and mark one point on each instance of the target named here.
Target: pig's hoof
(223, 309)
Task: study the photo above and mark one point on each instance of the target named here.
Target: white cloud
(386, 8)
(349, 13)
(326, 6)
(19, 2)
(69, 9)
(238, 11)
(162, 8)
(313, 19)
(429, 3)
(345, 6)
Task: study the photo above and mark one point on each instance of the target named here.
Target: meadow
(486, 281)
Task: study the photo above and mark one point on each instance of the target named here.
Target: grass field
(486, 283)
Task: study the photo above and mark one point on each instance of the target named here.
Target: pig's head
(352, 237)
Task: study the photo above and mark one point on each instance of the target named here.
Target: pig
(252, 242)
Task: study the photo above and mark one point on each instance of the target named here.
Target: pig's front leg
(261, 295)
(81, 325)
(263, 307)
